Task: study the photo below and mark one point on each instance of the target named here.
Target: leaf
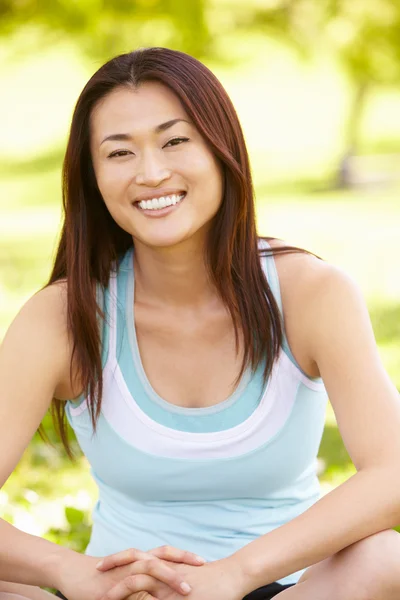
(74, 516)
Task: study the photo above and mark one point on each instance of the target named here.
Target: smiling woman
(143, 139)
(193, 360)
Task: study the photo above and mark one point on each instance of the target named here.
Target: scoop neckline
(134, 347)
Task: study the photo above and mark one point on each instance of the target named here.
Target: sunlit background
(316, 84)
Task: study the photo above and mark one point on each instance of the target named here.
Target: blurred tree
(363, 34)
(367, 37)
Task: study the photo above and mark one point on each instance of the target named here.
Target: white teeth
(162, 202)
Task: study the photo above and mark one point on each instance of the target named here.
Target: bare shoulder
(48, 305)
(304, 275)
(310, 286)
(44, 317)
(53, 301)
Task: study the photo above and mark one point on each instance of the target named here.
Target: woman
(198, 406)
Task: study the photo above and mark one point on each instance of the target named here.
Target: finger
(141, 596)
(159, 570)
(176, 555)
(127, 588)
(125, 557)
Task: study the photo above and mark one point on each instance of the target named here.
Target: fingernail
(99, 564)
(200, 559)
(185, 587)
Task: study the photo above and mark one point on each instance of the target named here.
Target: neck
(176, 276)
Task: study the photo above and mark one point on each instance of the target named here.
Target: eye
(118, 153)
(178, 141)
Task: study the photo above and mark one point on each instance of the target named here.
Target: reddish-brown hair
(91, 241)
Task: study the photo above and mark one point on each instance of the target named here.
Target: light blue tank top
(208, 480)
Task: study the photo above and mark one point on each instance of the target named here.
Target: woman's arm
(29, 559)
(33, 356)
(334, 320)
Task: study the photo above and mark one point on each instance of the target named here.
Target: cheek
(204, 169)
(199, 163)
(111, 182)
(112, 188)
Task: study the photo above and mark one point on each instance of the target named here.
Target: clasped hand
(154, 575)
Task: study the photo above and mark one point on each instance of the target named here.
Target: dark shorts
(263, 593)
(267, 591)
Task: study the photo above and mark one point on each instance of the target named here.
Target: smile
(162, 205)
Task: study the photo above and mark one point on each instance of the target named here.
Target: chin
(163, 241)
(163, 235)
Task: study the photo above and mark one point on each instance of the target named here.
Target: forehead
(135, 111)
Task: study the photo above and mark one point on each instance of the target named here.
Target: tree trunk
(359, 101)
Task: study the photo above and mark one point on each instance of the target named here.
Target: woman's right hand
(80, 579)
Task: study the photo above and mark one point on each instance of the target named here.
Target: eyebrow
(118, 137)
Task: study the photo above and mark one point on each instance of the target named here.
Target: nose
(152, 169)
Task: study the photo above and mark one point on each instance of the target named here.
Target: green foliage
(104, 28)
(76, 534)
(365, 34)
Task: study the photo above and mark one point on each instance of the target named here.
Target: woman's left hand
(126, 557)
(212, 581)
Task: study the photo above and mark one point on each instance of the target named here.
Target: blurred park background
(316, 84)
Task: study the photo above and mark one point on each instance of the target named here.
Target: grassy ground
(356, 230)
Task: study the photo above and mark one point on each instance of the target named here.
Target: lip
(157, 194)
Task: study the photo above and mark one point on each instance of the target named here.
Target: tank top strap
(269, 266)
(116, 300)
(113, 313)
(271, 273)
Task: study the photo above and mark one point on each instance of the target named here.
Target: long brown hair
(91, 242)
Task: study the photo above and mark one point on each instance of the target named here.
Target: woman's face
(144, 146)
